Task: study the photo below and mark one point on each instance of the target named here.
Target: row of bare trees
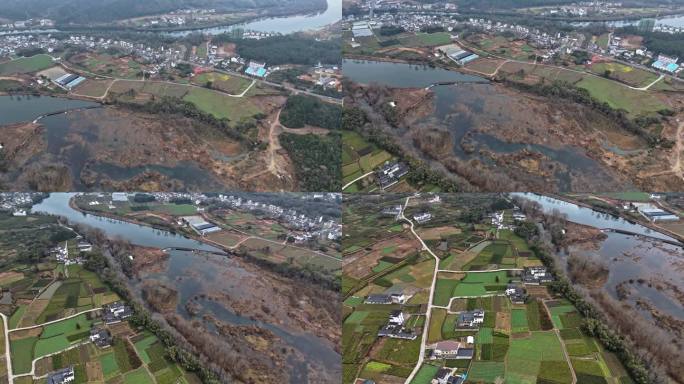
(649, 353)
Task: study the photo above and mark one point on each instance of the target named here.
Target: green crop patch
(425, 374)
(485, 336)
(555, 371)
(142, 344)
(26, 64)
(570, 334)
(519, 320)
(138, 376)
(109, 366)
(486, 371)
(22, 354)
(444, 290)
(500, 344)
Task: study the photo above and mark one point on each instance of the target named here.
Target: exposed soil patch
(398, 247)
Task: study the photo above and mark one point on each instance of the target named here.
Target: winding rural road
(489, 54)
(55, 321)
(8, 356)
(426, 326)
(349, 184)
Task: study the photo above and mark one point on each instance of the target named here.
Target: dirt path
(305, 130)
(275, 161)
(565, 349)
(489, 54)
(679, 147)
(349, 184)
(496, 71)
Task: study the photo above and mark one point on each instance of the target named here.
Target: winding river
(192, 273)
(283, 25)
(630, 258)
(464, 103)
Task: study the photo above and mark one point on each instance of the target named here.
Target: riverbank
(311, 19)
(644, 223)
(223, 291)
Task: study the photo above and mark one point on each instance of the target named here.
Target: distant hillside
(87, 11)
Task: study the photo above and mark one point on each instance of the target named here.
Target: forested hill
(89, 11)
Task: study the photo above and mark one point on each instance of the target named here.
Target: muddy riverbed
(493, 137)
(112, 148)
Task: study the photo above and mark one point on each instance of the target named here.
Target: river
(465, 107)
(194, 274)
(284, 25)
(676, 21)
(19, 108)
(590, 217)
(629, 258)
(400, 75)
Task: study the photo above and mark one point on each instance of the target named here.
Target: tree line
(288, 49)
(641, 366)
(98, 263)
(355, 119)
(317, 160)
(302, 110)
(565, 90)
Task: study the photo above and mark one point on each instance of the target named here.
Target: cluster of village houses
(398, 327)
(26, 24)
(558, 44)
(17, 203)
(61, 252)
(307, 228)
(179, 18)
(99, 335)
(390, 173)
(162, 58)
(584, 8)
(618, 49)
(112, 313)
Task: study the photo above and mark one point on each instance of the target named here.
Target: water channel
(629, 258)
(190, 272)
(453, 90)
(20, 108)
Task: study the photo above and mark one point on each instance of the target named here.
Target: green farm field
(223, 82)
(221, 106)
(26, 65)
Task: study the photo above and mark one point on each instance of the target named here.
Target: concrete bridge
(625, 232)
(218, 253)
(64, 112)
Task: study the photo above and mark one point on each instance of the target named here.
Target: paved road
(55, 321)
(489, 54)
(349, 184)
(254, 81)
(426, 326)
(8, 356)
